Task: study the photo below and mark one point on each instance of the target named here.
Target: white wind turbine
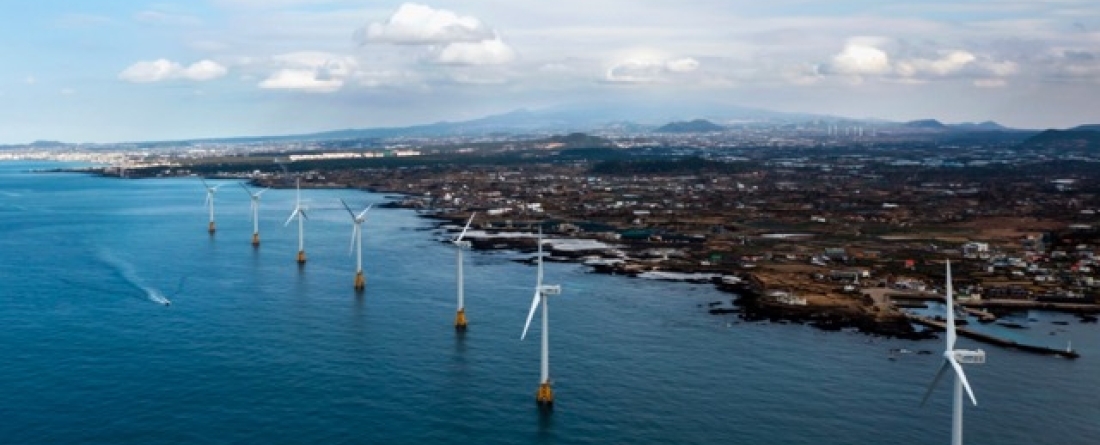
(255, 207)
(460, 244)
(210, 202)
(357, 242)
(953, 358)
(301, 214)
(544, 396)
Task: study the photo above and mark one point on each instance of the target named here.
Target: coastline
(783, 292)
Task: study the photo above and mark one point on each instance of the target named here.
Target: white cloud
(484, 52)
(203, 70)
(684, 65)
(1001, 68)
(950, 62)
(648, 66)
(416, 24)
(164, 69)
(636, 71)
(301, 79)
(316, 72)
(860, 59)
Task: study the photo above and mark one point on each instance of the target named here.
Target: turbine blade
(291, 218)
(204, 184)
(347, 208)
(936, 380)
(950, 318)
(262, 191)
(362, 214)
(464, 229)
(540, 257)
(959, 374)
(530, 314)
(303, 213)
(245, 187)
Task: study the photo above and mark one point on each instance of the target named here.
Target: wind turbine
(357, 243)
(255, 206)
(210, 202)
(953, 358)
(301, 214)
(460, 317)
(544, 396)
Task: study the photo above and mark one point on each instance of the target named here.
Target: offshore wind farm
(254, 348)
(756, 222)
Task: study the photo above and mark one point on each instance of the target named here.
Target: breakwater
(986, 338)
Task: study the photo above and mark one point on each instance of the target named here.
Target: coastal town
(835, 229)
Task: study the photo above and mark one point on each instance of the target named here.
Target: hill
(580, 140)
(926, 124)
(1066, 141)
(695, 126)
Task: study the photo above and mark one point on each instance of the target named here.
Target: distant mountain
(982, 126)
(1089, 127)
(1066, 141)
(695, 126)
(926, 124)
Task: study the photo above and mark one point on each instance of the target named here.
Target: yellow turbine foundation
(360, 281)
(210, 228)
(545, 395)
(255, 239)
(301, 257)
(460, 319)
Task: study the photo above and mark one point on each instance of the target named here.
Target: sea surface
(255, 350)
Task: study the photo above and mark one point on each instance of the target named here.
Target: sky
(130, 70)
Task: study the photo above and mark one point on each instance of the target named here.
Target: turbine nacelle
(461, 244)
(210, 189)
(967, 357)
(550, 289)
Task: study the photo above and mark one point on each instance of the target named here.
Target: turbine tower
(459, 243)
(544, 396)
(357, 243)
(210, 202)
(953, 358)
(301, 214)
(255, 207)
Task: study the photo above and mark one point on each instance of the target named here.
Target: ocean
(254, 349)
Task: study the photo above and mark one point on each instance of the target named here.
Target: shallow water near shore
(254, 349)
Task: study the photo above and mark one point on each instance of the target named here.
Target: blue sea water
(254, 349)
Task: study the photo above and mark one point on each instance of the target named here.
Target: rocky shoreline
(644, 260)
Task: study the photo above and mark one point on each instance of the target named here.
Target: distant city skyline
(113, 70)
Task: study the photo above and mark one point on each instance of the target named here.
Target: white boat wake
(126, 270)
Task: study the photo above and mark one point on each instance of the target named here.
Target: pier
(926, 321)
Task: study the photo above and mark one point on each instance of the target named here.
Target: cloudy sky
(124, 70)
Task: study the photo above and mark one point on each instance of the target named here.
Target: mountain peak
(928, 124)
